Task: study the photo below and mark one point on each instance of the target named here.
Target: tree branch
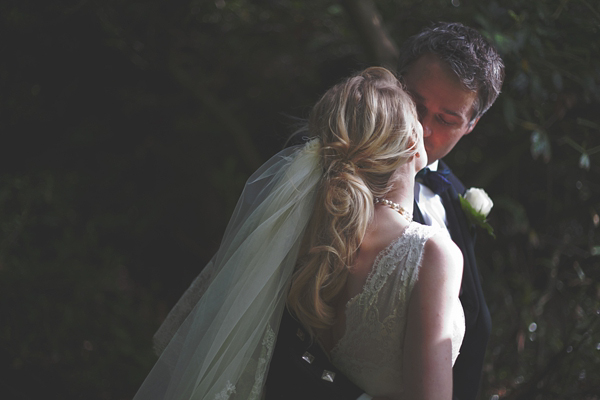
(380, 47)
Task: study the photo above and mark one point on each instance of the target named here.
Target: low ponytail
(368, 127)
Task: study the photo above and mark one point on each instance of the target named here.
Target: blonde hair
(368, 127)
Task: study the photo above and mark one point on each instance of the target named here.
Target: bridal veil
(223, 348)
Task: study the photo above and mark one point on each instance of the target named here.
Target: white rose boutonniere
(477, 205)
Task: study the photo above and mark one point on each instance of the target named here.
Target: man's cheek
(428, 142)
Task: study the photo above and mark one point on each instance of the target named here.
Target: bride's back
(386, 227)
(375, 343)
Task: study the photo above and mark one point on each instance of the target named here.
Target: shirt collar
(434, 165)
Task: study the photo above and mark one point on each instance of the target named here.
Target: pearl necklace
(396, 207)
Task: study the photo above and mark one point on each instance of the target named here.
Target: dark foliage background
(128, 129)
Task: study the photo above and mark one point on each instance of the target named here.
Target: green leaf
(335, 9)
(540, 145)
(588, 123)
(584, 161)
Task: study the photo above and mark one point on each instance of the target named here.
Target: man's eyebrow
(454, 113)
(417, 96)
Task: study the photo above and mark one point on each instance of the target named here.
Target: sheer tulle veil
(222, 349)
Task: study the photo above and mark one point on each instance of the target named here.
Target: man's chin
(431, 158)
(428, 149)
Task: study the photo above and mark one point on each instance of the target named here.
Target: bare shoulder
(443, 259)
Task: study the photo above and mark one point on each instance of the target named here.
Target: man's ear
(472, 126)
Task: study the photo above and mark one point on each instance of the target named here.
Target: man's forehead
(429, 80)
(419, 98)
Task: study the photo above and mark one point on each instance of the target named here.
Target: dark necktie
(434, 180)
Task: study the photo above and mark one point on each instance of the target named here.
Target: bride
(326, 229)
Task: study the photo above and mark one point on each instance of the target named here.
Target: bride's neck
(402, 189)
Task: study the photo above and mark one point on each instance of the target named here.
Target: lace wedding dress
(371, 351)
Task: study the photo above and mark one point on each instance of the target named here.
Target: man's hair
(475, 62)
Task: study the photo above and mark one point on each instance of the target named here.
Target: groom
(454, 76)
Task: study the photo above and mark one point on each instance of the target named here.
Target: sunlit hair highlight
(368, 127)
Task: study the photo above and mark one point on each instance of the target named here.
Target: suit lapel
(460, 232)
(417, 214)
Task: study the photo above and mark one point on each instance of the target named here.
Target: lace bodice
(370, 352)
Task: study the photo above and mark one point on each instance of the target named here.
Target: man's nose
(425, 120)
(426, 128)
